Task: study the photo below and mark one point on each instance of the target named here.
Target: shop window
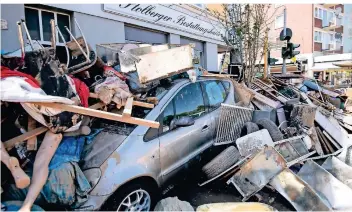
(38, 24)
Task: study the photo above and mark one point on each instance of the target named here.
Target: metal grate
(231, 121)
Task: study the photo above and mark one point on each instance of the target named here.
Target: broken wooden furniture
(150, 62)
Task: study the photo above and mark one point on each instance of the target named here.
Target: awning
(347, 64)
(324, 67)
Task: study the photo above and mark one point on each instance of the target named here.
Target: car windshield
(139, 112)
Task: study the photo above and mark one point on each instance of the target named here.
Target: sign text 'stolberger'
(181, 20)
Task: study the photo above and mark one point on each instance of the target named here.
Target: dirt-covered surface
(186, 188)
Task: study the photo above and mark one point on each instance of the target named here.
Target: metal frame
(230, 123)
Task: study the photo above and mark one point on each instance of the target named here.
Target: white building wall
(98, 33)
(211, 56)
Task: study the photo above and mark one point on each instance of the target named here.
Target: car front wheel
(135, 196)
(137, 200)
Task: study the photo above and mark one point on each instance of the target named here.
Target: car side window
(189, 101)
(226, 85)
(169, 114)
(215, 92)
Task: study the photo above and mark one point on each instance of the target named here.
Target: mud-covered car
(127, 164)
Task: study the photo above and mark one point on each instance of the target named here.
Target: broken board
(162, 64)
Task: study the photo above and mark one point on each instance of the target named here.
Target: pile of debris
(47, 101)
(293, 138)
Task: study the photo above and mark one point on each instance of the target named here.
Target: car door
(176, 144)
(216, 93)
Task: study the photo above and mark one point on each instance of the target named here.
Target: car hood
(95, 153)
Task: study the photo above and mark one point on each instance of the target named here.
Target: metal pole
(284, 59)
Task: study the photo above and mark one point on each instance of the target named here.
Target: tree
(245, 27)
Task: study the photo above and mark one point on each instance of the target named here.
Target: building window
(317, 36)
(38, 24)
(279, 21)
(318, 13)
(331, 17)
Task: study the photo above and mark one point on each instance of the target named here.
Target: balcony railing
(329, 5)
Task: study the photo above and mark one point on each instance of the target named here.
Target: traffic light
(292, 47)
(271, 61)
(299, 66)
(285, 52)
(289, 51)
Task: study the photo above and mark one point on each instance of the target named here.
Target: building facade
(319, 28)
(117, 23)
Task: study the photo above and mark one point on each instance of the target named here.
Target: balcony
(331, 26)
(329, 5)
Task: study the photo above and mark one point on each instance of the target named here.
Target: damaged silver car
(127, 164)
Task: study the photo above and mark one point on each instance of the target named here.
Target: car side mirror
(181, 122)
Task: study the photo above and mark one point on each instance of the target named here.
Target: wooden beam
(97, 106)
(135, 103)
(127, 111)
(99, 114)
(31, 142)
(25, 136)
(143, 104)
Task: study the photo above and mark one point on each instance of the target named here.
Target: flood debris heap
(294, 138)
(47, 101)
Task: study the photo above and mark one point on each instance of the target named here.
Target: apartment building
(319, 28)
(117, 23)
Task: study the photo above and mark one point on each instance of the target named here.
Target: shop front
(119, 23)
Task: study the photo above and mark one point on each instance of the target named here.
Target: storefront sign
(165, 16)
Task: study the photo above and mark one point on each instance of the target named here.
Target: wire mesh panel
(231, 121)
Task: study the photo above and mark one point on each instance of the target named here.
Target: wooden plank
(127, 111)
(143, 104)
(97, 106)
(31, 142)
(99, 114)
(25, 136)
